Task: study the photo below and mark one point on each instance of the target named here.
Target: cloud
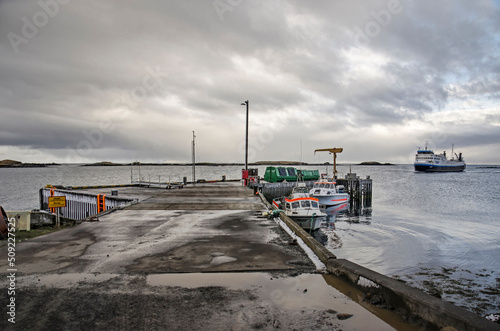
(352, 74)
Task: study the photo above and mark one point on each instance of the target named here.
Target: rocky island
(18, 164)
(102, 164)
(374, 163)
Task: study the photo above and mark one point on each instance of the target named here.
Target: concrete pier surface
(197, 258)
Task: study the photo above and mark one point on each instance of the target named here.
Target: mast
(300, 153)
(194, 161)
(246, 103)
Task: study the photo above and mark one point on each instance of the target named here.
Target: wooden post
(334, 165)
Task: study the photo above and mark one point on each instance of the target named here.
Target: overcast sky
(88, 81)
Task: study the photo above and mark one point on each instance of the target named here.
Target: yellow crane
(333, 151)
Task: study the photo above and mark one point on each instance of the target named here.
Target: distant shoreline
(260, 163)
(17, 164)
(282, 163)
(375, 163)
(26, 165)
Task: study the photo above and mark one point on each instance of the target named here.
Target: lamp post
(194, 162)
(246, 137)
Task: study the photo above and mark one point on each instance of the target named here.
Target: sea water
(436, 231)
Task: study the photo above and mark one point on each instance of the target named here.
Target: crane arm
(331, 150)
(334, 151)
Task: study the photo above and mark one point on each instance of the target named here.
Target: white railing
(80, 205)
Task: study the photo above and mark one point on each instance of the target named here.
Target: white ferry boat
(427, 161)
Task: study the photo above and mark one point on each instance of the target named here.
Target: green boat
(290, 174)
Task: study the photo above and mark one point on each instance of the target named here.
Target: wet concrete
(209, 233)
(122, 272)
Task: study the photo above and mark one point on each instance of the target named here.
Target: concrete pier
(198, 258)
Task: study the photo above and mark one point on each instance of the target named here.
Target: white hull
(329, 194)
(308, 223)
(308, 219)
(332, 200)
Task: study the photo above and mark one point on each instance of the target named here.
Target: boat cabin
(296, 204)
(290, 174)
(327, 188)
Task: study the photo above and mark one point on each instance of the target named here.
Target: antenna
(194, 162)
(300, 153)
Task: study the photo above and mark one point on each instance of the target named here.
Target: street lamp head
(243, 104)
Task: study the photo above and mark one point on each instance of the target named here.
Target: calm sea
(436, 231)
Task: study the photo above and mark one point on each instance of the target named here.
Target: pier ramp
(197, 258)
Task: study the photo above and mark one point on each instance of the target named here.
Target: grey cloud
(87, 62)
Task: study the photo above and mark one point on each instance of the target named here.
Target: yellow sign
(57, 202)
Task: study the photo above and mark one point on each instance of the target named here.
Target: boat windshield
(300, 189)
(305, 203)
(314, 204)
(324, 185)
(295, 205)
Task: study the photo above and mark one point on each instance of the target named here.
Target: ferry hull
(434, 168)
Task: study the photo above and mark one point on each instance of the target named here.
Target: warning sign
(57, 202)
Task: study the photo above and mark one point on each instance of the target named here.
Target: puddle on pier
(303, 292)
(306, 292)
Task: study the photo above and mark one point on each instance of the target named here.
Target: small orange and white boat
(302, 208)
